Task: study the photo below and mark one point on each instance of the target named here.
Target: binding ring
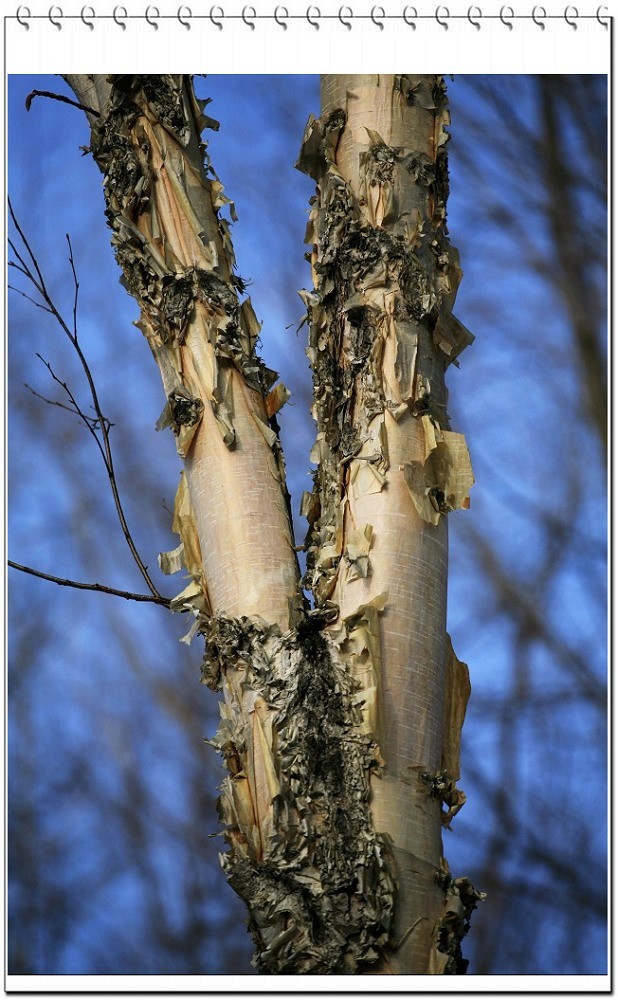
(151, 15)
(281, 12)
(478, 13)
(91, 13)
(123, 11)
(23, 12)
(314, 24)
(348, 13)
(538, 19)
(511, 13)
(438, 15)
(411, 24)
(313, 15)
(218, 11)
(52, 13)
(181, 14)
(380, 12)
(251, 12)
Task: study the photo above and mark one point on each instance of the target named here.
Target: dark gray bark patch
(321, 898)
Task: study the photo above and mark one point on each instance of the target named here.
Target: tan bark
(386, 278)
(231, 455)
(333, 719)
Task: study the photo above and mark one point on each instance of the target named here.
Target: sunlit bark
(340, 724)
(381, 337)
(178, 262)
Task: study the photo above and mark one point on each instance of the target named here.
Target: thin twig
(75, 407)
(99, 587)
(40, 287)
(94, 421)
(39, 305)
(76, 283)
(102, 442)
(59, 97)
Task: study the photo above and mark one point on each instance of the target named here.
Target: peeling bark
(339, 725)
(163, 205)
(388, 466)
(315, 876)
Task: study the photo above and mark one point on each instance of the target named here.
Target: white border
(528, 42)
(78, 985)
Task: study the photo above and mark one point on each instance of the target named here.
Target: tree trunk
(340, 724)
(382, 334)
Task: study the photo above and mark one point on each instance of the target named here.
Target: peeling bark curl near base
(460, 901)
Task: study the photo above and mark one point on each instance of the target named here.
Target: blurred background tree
(112, 864)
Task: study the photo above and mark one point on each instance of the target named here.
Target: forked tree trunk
(340, 724)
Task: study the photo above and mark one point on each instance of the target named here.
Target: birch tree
(340, 716)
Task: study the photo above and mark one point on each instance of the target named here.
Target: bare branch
(41, 288)
(59, 97)
(76, 284)
(91, 424)
(93, 421)
(102, 425)
(39, 305)
(99, 587)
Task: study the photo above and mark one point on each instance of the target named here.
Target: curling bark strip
(336, 874)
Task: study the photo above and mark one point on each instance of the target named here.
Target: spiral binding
(313, 15)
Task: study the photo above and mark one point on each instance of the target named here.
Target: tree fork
(310, 697)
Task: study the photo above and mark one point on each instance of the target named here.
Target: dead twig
(99, 587)
(59, 97)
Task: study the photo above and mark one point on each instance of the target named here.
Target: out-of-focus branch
(563, 214)
(530, 619)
